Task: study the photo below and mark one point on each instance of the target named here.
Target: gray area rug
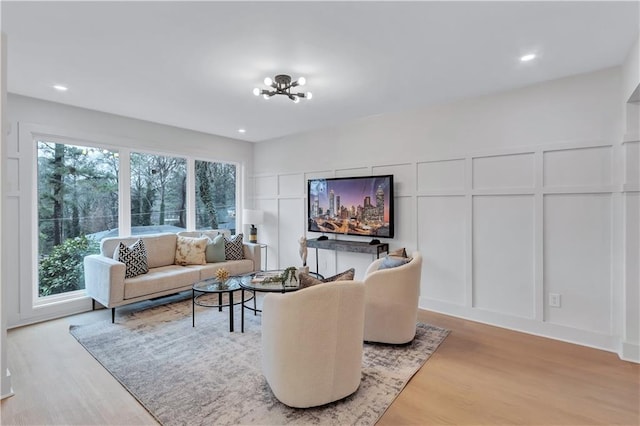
(207, 375)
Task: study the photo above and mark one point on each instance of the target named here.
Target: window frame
(77, 300)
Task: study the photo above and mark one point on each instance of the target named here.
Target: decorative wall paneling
(499, 231)
(631, 227)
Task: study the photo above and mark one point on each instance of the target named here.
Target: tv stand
(350, 246)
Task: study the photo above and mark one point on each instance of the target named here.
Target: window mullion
(124, 190)
(191, 194)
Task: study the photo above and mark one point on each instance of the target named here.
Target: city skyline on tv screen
(355, 206)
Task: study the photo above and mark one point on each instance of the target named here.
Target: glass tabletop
(213, 285)
(262, 281)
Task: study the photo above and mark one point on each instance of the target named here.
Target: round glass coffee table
(213, 286)
(255, 283)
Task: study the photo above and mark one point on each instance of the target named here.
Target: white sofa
(105, 278)
(312, 343)
(391, 301)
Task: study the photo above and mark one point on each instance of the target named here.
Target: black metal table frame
(219, 305)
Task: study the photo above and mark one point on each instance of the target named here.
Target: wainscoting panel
(632, 166)
(403, 177)
(632, 269)
(267, 232)
(405, 225)
(360, 171)
(291, 216)
(503, 254)
(11, 258)
(12, 175)
(316, 175)
(577, 260)
(441, 240)
(441, 175)
(359, 261)
(291, 185)
(504, 171)
(578, 167)
(266, 186)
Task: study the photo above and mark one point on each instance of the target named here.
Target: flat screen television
(361, 205)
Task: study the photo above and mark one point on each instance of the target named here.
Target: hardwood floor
(479, 375)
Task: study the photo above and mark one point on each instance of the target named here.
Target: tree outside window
(77, 206)
(158, 194)
(215, 195)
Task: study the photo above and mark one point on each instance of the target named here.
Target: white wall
(28, 116)
(630, 347)
(5, 375)
(509, 197)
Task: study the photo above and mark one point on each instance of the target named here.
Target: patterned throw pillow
(191, 251)
(307, 280)
(233, 248)
(215, 249)
(133, 257)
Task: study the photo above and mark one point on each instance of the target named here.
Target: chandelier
(282, 85)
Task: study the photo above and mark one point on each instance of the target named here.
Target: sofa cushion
(206, 233)
(160, 279)
(235, 267)
(134, 258)
(161, 248)
(215, 249)
(191, 251)
(233, 248)
(308, 280)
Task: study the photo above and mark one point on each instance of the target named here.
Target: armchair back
(391, 301)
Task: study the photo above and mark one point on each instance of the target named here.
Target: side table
(213, 286)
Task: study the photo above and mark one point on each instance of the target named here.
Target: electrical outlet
(554, 300)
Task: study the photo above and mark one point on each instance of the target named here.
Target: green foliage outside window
(62, 270)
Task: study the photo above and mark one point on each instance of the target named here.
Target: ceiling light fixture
(528, 57)
(282, 85)
(60, 88)
(241, 131)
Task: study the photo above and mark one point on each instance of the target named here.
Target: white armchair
(391, 301)
(312, 343)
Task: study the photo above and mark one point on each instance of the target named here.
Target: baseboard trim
(526, 325)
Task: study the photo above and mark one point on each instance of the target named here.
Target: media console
(351, 246)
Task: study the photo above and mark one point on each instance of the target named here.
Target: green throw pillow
(215, 249)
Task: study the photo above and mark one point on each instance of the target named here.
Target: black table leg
(193, 307)
(231, 311)
(219, 302)
(242, 311)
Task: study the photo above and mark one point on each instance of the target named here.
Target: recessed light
(241, 131)
(60, 88)
(528, 57)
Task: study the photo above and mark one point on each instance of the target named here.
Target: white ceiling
(194, 64)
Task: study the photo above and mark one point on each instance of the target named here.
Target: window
(215, 195)
(77, 207)
(78, 204)
(158, 194)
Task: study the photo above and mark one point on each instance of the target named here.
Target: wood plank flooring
(479, 375)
